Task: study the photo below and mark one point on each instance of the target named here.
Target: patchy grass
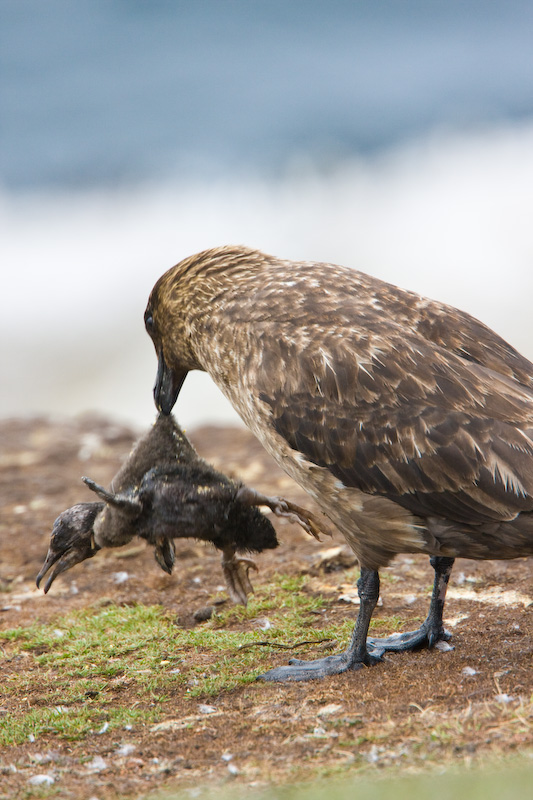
(67, 723)
(79, 662)
(78, 669)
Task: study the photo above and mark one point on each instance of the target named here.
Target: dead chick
(166, 491)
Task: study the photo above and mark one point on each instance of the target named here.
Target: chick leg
(236, 576)
(285, 508)
(432, 629)
(354, 657)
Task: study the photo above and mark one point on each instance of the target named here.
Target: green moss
(66, 722)
(78, 659)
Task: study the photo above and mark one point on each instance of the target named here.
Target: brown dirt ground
(411, 711)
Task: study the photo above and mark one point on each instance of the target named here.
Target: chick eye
(149, 323)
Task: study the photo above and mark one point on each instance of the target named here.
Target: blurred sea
(394, 137)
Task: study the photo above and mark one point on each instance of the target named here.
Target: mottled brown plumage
(409, 421)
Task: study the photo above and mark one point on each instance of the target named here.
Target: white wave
(449, 217)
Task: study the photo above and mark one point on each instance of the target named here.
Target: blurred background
(393, 137)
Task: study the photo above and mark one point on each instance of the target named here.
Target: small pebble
(373, 755)
(120, 577)
(470, 671)
(504, 698)
(97, 764)
(41, 780)
(331, 708)
(125, 750)
(203, 614)
(203, 709)
(444, 647)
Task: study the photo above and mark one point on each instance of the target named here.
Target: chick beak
(63, 562)
(168, 383)
(50, 560)
(66, 557)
